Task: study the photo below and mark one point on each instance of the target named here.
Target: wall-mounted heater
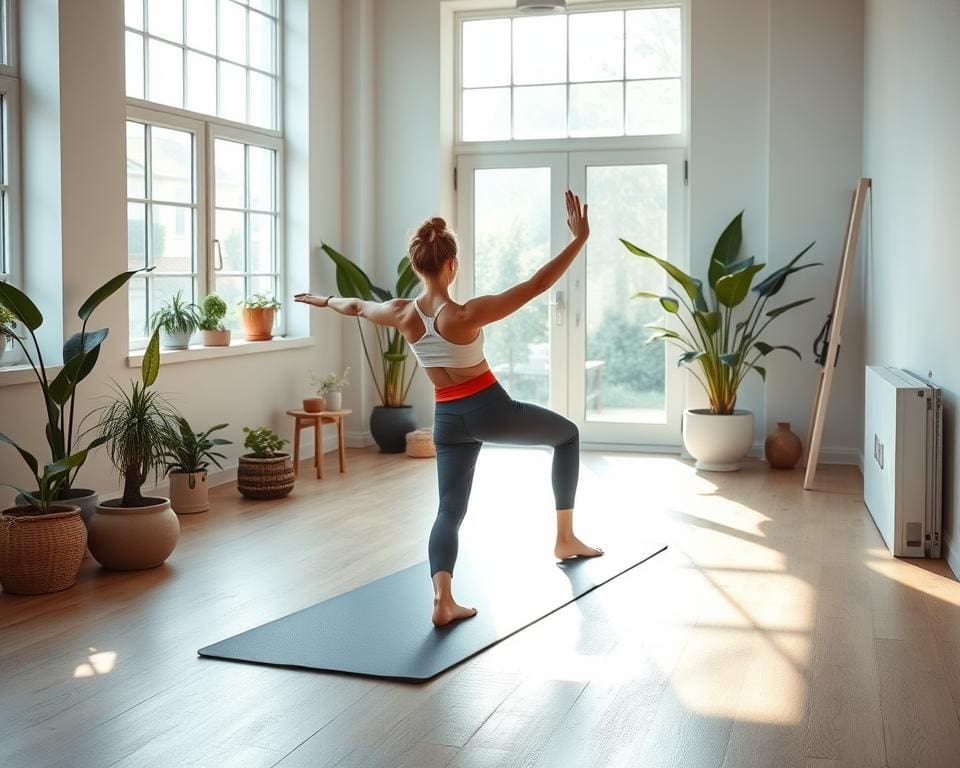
(902, 460)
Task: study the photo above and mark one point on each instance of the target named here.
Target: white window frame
(10, 91)
(570, 144)
(206, 128)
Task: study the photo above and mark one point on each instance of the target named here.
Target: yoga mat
(383, 629)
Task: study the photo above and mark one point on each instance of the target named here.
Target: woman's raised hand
(309, 298)
(577, 217)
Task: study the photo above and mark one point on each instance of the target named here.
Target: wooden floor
(776, 631)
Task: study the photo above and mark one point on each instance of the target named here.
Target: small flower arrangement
(325, 385)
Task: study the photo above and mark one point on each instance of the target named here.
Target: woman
(471, 407)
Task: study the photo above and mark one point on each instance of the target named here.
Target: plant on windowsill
(259, 313)
(265, 472)
(8, 327)
(177, 320)
(393, 419)
(212, 311)
(718, 346)
(329, 391)
(136, 532)
(80, 354)
(188, 456)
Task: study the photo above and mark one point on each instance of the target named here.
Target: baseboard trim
(358, 439)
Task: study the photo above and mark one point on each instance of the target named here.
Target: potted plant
(393, 418)
(177, 320)
(330, 388)
(8, 322)
(265, 472)
(80, 354)
(136, 532)
(720, 346)
(259, 313)
(188, 456)
(212, 311)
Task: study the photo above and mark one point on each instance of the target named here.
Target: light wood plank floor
(775, 631)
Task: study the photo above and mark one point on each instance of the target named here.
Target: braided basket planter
(40, 553)
(420, 444)
(270, 478)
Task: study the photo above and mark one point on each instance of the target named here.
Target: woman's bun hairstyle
(432, 247)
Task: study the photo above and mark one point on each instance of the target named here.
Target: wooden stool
(305, 420)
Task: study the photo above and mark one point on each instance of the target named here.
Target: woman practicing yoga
(471, 407)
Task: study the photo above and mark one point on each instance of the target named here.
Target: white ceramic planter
(174, 340)
(133, 538)
(189, 492)
(3, 343)
(334, 401)
(718, 443)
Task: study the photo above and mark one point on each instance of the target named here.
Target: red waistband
(467, 388)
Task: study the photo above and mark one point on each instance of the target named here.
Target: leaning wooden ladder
(818, 414)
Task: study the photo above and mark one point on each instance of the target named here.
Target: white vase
(189, 492)
(334, 401)
(718, 443)
(174, 340)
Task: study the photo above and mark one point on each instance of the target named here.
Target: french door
(580, 349)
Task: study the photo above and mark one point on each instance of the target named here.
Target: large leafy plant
(80, 354)
(353, 283)
(718, 345)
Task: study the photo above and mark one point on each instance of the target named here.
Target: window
(204, 152)
(587, 74)
(10, 266)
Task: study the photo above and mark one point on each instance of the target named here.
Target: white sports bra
(434, 351)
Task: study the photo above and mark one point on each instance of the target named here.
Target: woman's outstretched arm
(388, 313)
(484, 310)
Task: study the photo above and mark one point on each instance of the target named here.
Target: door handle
(558, 306)
(218, 265)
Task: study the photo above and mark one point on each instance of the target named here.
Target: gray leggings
(459, 430)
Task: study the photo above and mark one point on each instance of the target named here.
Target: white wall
(911, 114)
(776, 116)
(88, 216)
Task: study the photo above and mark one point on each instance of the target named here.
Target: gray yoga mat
(383, 629)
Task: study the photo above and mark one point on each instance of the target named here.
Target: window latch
(218, 265)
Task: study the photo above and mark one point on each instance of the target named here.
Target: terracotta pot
(314, 404)
(718, 443)
(782, 447)
(174, 340)
(269, 478)
(189, 492)
(40, 553)
(335, 401)
(133, 538)
(258, 323)
(216, 338)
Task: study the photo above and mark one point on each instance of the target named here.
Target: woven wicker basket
(40, 553)
(265, 478)
(420, 444)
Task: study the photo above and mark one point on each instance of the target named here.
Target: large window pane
(261, 242)
(232, 289)
(262, 162)
(596, 109)
(202, 25)
(596, 46)
(486, 114)
(201, 83)
(624, 377)
(653, 43)
(653, 107)
(233, 92)
(229, 175)
(171, 239)
(136, 160)
(262, 38)
(165, 19)
(540, 50)
(229, 232)
(166, 74)
(134, 65)
(511, 240)
(136, 235)
(262, 108)
(137, 298)
(540, 112)
(133, 13)
(171, 154)
(233, 32)
(486, 53)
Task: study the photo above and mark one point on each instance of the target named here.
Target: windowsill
(237, 347)
(11, 375)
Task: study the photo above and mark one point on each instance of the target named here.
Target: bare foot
(444, 613)
(572, 547)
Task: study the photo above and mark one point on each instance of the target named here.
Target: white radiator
(902, 452)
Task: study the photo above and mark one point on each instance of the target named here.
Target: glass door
(621, 389)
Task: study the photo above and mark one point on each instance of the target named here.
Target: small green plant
(176, 316)
(263, 442)
(191, 451)
(8, 321)
(212, 311)
(260, 301)
(331, 382)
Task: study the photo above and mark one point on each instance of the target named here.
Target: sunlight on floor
(97, 663)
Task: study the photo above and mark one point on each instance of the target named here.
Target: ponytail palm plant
(353, 283)
(718, 344)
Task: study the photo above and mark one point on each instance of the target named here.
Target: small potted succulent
(177, 320)
(136, 532)
(265, 472)
(188, 456)
(212, 311)
(8, 324)
(259, 312)
(330, 388)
